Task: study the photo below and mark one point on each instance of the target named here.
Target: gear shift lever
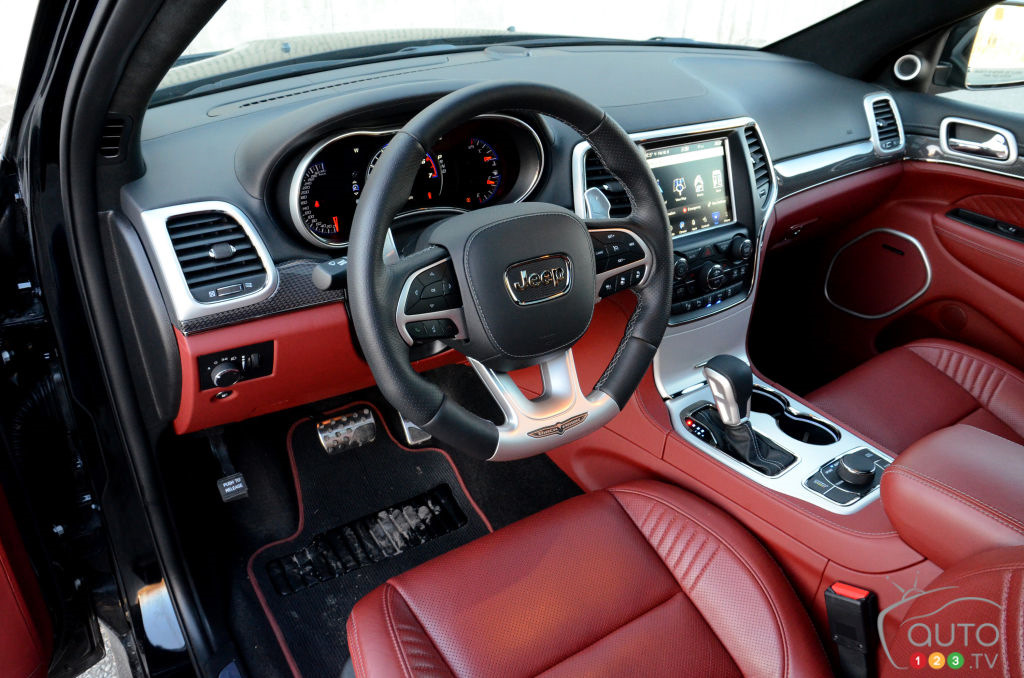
(732, 383)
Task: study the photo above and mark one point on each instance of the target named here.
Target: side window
(985, 59)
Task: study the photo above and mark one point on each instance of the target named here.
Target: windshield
(246, 36)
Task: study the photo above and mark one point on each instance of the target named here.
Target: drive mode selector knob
(741, 248)
(712, 277)
(856, 470)
(226, 373)
(681, 267)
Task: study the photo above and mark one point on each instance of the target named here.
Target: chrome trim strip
(804, 172)
(300, 170)
(869, 110)
(900, 307)
(168, 268)
(1011, 140)
(454, 314)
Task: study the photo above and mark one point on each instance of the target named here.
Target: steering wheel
(509, 286)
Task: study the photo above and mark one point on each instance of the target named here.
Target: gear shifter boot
(745, 444)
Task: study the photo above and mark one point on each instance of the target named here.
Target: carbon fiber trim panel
(295, 291)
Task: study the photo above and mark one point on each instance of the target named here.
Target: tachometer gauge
(429, 182)
(484, 176)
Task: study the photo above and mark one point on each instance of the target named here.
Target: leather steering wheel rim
(375, 285)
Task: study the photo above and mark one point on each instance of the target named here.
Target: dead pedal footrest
(370, 539)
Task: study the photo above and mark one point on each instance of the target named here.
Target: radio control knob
(711, 277)
(741, 247)
(681, 268)
(225, 374)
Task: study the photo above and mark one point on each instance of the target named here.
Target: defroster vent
(599, 177)
(216, 256)
(759, 160)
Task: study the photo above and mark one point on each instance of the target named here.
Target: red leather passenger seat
(904, 394)
(642, 579)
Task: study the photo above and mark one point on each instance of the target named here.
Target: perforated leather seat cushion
(904, 394)
(640, 579)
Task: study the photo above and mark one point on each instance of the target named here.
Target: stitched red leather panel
(966, 480)
(998, 387)
(896, 398)
(729, 577)
(581, 589)
(1001, 207)
(653, 645)
(987, 589)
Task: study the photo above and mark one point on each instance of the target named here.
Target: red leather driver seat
(642, 579)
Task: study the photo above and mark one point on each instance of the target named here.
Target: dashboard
(275, 171)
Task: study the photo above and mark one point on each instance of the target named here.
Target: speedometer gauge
(322, 203)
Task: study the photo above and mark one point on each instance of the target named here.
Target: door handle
(995, 147)
(987, 142)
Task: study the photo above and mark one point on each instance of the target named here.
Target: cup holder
(797, 426)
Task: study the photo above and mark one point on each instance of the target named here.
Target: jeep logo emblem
(540, 279)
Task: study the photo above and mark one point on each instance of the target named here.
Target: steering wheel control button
(439, 328)
(431, 275)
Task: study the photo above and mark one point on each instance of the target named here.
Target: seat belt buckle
(852, 614)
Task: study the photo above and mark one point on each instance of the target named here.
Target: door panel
(24, 649)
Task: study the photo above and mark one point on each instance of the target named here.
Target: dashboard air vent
(599, 177)
(216, 256)
(112, 137)
(887, 128)
(759, 160)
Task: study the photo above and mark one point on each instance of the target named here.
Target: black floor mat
(350, 490)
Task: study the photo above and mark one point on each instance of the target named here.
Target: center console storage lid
(957, 492)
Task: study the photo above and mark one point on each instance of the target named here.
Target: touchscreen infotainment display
(694, 182)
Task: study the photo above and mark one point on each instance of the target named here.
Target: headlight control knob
(224, 374)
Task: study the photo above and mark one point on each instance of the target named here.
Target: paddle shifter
(732, 384)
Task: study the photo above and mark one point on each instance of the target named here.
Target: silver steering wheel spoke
(623, 260)
(561, 413)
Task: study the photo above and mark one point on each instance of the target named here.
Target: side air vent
(216, 256)
(886, 130)
(599, 177)
(112, 138)
(759, 160)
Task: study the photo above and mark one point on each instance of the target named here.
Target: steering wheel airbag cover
(494, 252)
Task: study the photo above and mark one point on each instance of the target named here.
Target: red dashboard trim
(315, 357)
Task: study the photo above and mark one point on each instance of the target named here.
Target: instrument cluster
(488, 160)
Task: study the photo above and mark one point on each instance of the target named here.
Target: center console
(719, 189)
